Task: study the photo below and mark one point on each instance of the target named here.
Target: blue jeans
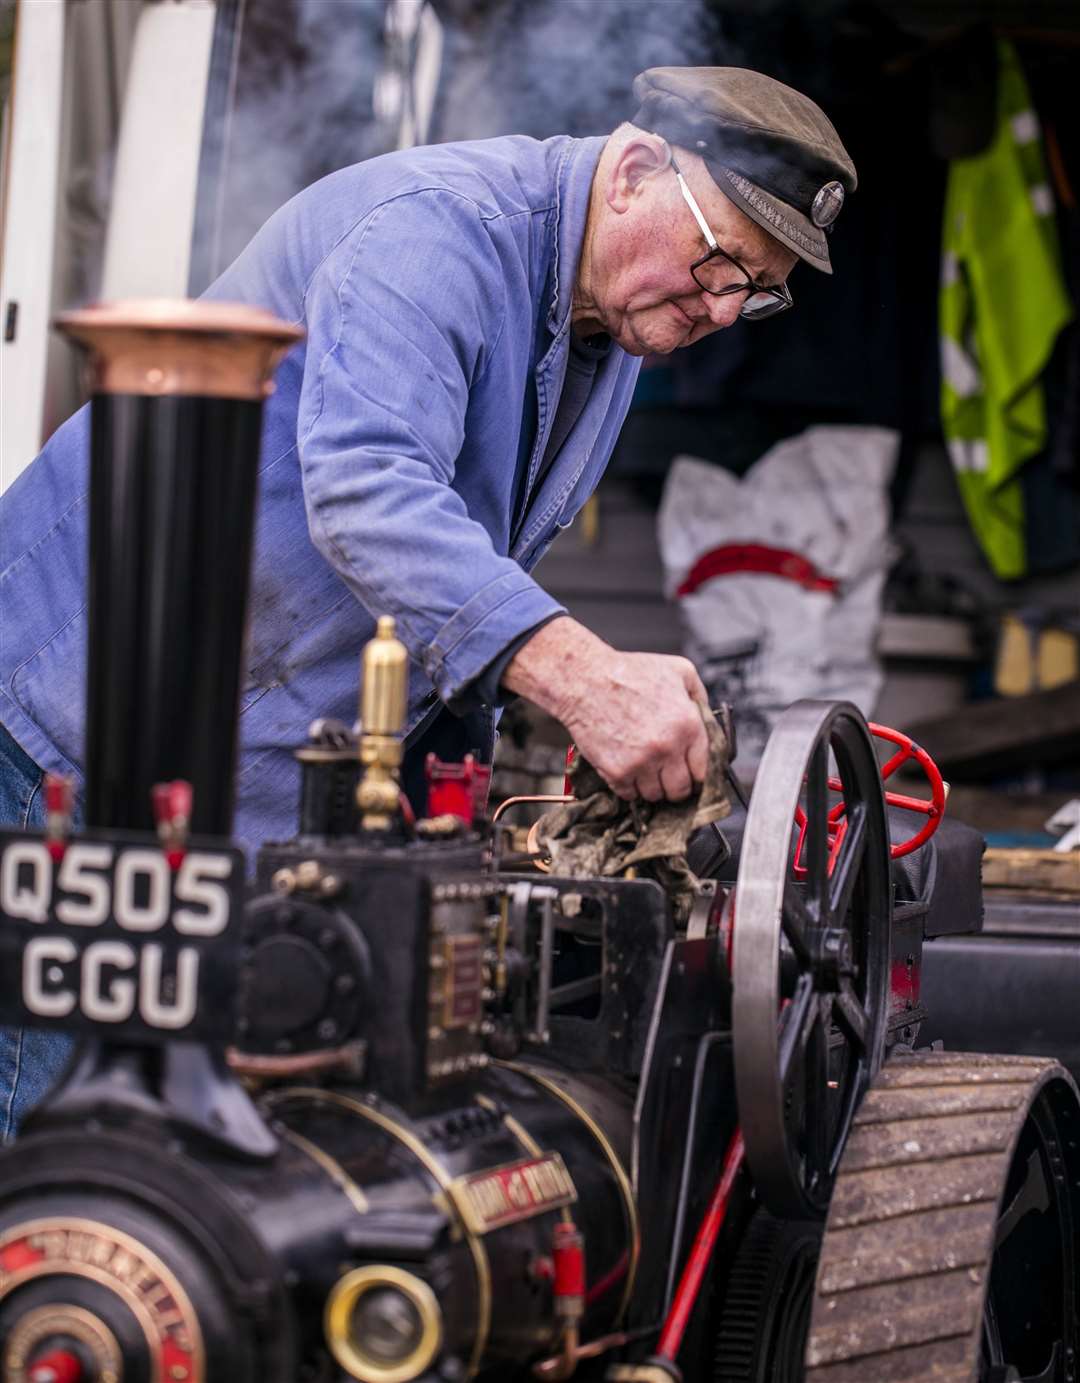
(30, 1058)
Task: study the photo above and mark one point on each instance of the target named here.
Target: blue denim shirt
(435, 288)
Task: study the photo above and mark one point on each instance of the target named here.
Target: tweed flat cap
(768, 147)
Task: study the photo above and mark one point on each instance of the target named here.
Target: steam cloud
(545, 67)
(310, 74)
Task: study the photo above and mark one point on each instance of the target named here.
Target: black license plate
(110, 939)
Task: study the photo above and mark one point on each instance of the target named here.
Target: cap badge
(826, 205)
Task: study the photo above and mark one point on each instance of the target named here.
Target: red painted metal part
(933, 808)
(686, 1294)
(457, 789)
(59, 793)
(568, 1254)
(739, 558)
(58, 1366)
(171, 803)
(905, 980)
(450, 798)
(610, 1279)
(567, 785)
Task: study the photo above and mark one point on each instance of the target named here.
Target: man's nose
(723, 310)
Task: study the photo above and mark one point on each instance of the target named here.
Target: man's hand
(634, 716)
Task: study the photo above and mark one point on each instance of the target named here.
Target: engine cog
(810, 956)
(766, 1309)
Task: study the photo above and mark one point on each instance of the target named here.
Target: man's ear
(641, 158)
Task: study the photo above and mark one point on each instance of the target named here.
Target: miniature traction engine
(408, 1107)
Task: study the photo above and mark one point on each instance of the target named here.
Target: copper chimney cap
(193, 347)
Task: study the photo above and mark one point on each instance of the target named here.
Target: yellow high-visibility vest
(1003, 302)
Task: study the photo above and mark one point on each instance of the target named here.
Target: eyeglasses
(712, 274)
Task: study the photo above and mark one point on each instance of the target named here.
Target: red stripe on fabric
(755, 557)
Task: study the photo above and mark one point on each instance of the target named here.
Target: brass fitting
(386, 683)
(383, 704)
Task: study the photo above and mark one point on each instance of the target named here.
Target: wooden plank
(897, 1314)
(882, 1106)
(879, 1194)
(985, 738)
(1048, 870)
(922, 1140)
(945, 1361)
(956, 1236)
(988, 1070)
(951, 1066)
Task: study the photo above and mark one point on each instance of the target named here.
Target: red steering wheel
(933, 808)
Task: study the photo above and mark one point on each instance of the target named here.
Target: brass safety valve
(383, 702)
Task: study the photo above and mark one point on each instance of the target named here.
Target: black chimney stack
(176, 415)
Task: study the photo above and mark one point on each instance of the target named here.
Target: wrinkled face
(646, 238)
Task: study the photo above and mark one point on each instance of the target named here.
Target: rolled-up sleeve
(402, 321)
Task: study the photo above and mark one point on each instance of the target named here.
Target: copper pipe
(543, 863)
(256, 1066)
(549, 1368)
(557, 800)
(563, 1364)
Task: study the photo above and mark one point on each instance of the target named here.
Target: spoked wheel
(766, 1310)
(950, 1251)
(810, 955)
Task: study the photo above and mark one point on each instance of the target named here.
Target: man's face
(643, 293)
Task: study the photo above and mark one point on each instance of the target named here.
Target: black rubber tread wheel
(766, 1308)
(933, 1265)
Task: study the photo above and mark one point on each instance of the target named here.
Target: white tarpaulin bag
(779, 574)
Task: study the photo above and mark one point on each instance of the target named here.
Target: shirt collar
(574, 180)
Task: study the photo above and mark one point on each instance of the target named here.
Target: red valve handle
(933, 808)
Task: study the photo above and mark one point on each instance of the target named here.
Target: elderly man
(475, 315)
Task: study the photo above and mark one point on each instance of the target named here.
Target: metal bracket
(522, 895)
(698, 922)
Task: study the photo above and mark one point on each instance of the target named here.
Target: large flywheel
(810, 952)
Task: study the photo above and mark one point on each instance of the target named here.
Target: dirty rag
(599, 835)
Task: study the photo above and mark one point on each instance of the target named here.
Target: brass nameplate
(464, 986)
(516, 1191)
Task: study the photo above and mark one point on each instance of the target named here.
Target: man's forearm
(551, 668)
(633, 715)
